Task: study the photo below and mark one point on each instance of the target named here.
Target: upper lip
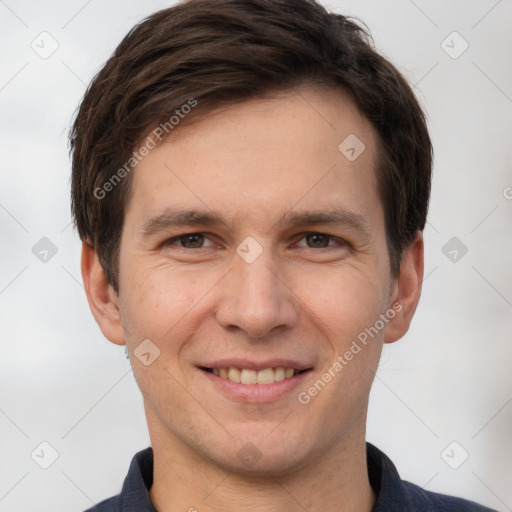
(256, 365)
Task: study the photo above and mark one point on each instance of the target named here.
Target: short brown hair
(221, 52)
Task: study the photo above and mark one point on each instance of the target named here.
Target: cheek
(347, 301)
(155, 308)
(159, 299)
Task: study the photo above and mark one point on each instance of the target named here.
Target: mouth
(264, 376)
(257, 382)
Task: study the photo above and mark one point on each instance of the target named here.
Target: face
(253, 255)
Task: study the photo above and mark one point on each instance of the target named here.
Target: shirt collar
(383, 476)
(134, 496)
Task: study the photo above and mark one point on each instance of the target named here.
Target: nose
(256, 297)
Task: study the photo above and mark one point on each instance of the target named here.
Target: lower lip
(256, 393)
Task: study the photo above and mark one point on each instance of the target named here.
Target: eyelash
(339, 241)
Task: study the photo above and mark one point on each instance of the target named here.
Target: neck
(184, 480)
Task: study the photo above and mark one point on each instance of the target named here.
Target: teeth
(265, 376)
(234, 374)
(279, 374)
(246, 376)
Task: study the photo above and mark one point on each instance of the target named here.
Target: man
(251, 182)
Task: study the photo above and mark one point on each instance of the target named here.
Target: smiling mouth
(249, 376)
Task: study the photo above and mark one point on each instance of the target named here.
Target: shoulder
(419, 499)
(397, 495)
(109, 505)
(134, 494)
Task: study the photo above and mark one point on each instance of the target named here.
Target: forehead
(260, 158)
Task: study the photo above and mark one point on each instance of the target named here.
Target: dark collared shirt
(393, 494)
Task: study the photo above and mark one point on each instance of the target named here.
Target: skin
(253, 163)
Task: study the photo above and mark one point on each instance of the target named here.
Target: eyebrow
(170, 218)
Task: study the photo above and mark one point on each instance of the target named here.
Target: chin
(257, 453)
(253, 462)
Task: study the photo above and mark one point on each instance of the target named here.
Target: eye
(197, 241)
(321, 240)
(187, 241)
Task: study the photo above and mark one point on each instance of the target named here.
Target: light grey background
(448, 380)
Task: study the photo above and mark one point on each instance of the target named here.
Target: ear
(406, 291)
(103, 301)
